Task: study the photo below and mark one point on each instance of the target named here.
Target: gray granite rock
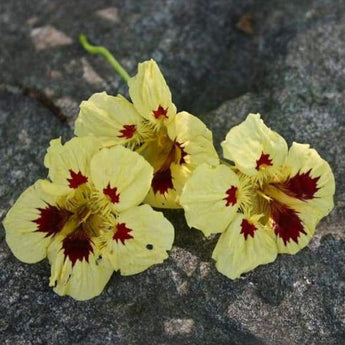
(291, 70)
(203, 54)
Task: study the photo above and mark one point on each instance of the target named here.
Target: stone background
(287, 63)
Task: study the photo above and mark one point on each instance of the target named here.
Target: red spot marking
(127, 132)
(231, 198)
(51, 220)
(77, 246)
(162, 181)
(287, 225)
(301, 186)
(112, 194)
(160, 112)
(122, 233)
(76, 179)
(263, 160)
(183, 153)
(247, 229)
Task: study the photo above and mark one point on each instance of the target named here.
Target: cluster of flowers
(89, 220)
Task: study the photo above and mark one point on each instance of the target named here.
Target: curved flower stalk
(86, 220)
(268, 202)
(173, 143)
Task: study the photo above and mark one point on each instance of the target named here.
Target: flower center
(161, 152)
(78, 218)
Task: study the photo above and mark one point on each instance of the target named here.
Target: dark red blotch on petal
(51, 220)
(231, 198)
(112, 193)
(76, 179)
(162, 181)
(247, 229)
(286, 223)
(160, 112)
(77, 246)
(183, 153)
(122, 233)
(301, 186)
(263, 160)
(127, 132)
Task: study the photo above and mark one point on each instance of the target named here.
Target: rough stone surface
(291, 69)
(205, 58)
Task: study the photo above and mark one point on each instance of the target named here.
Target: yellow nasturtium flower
(269, 202)
(173, 143)
(86, 219)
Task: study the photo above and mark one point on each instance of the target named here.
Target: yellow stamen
(266, 197)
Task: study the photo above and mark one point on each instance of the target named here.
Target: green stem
(105, 53)
(222, 161)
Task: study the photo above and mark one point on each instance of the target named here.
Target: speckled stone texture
(291, 70)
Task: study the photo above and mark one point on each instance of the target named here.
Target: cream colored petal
(167, 188)
(112, 118)
(23, 234)
(69, 164)
(254, 148)
(141, 240)
(167, 200)
(293, 226)
(244, 245)
(83, 280)
(211, 198)
(301, 199)
(310, 179)
(54, 189)
(194, 139)
(151, 95)
(292, 247)
(122, 174)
